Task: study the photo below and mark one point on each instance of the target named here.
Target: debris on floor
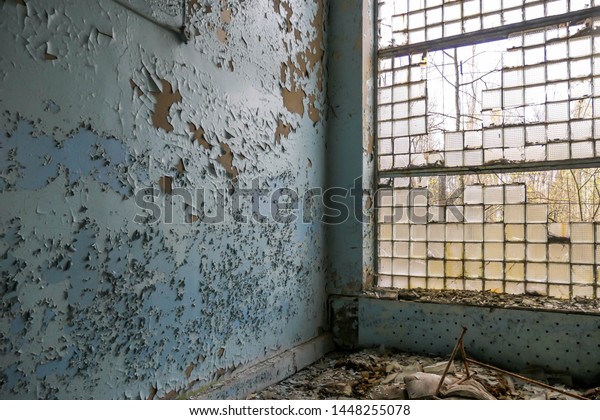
(381, 374)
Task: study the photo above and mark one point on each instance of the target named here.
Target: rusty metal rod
(463, 356)
(452, 356)
(523, 378)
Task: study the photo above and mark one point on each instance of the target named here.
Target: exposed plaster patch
(313, 112)
(226, 160)
(189, 370)
(135, 88)
(294, 100)
(199, 136)
(180, 167)
(222, 35)
(166, 184)
(282, 130)
(226, 16)
(164, 100)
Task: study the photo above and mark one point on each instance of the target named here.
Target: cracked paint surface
(97, 103)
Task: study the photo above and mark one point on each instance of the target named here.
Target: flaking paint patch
(164, 100)
(226, 160)
(282, 130)
(293, 100)
(198, 133)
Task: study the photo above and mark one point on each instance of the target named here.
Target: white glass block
(537, 272)
(473, 194)
(493, 251)
(385, 249)
(514, 288)
(583, 291)
(558, 252)
(453, 140)
(473, 251)
(418, 159)
(559, 292)
(514, 233)
(384, 281)
(385, 265)
(401, 145)
(491, 99)
(385, 232)
(436, 232)
(536, 233)
(582, 274)
(418, 282)
(536, 134)
(493, 270)
(418, 249)
(474, 285)
(400, 282)
(581, 130)
(386, 162)
(454, 232)
(493, 195)
(514, 213)
(418, 197)
(400, 267)
(537, 213)
(514, 98)
(559, 273)
(582, 232)
(455, 214)
(436, 250)
(454, 268)
(473, 139)
(435, 283)
(515, 194)
(454, 251)
(473, 214)
(514, 252)
(514, 154)
(558, 132)
(473, 232)
(582, 150)
(492, 138)
(473, 157)
(401, 232)
(436, 214)
(473, 269)
(515, 271)
(385, 215)
(401, 197)
(401, 161)
(537, 288)
(558, 151)
(535, 153)
(493, 155)
(436, 159)
(436, 268)
(454, 159)
(536, 252)
(454, 284)
(559, 230)
(401, 249)
(513, 78)
(418, 233)
(582, 253)
(493, 232)
(494, 213)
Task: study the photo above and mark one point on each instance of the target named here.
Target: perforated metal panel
(513, 339)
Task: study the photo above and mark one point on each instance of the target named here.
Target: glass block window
(488, 144)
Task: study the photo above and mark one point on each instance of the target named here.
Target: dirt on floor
(379, 374)
(498, 300)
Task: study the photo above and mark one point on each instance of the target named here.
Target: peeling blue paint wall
(98, 103)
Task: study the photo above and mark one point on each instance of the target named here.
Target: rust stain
(199, 136)
(282, 130)
(135, 88)
(164, 101)
(226, 160)
(166, 184)
(188, 370)
(293, 100)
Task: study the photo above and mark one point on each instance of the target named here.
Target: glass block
(559, 273)
(536, 289)
(418, 159)
(558, 132)
(582, 253)
(535, 134)
(514, 288)
(400, 266)
(401, 161)
(493, 195)
(454, 284)
(474, 285)
(400, 282)
(385, 249)
(493, 155)
(537, 272)
(515, 271)
(492, 138)
(536, 233)
(385, 232)
(435, 283)
(453, 141)
(473, 194)
(418, 233)
(514, 154)
(435, 232)
(582, 232)
(454, 268)
(473, 139)
(559, 231)
(418, 250)
(435, 268)
(473, 157)
(537, 213)
(401, 249)
(473, 251)
(582, 150)
(473, 214)
(513, 78)
(454, 159)
(473, 269)
(384, 281)
(493, 251)
(581, 130)
(536, 252)
(514, 233)
(385, 265)
(558, 111)
(493, 232)
(436, 249)
(514, 98)
(455, 214)
(454, 232)
(435, 159)
(436, 214)
(514, 252)
(560, 292)
(401, 232)
(582, 274)
(515, 194)
(514, 213)
(558, 151)
(418, 282)
(583, 291)
(454, 251)
(535, 153)
(494, 270)
(473, 232)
